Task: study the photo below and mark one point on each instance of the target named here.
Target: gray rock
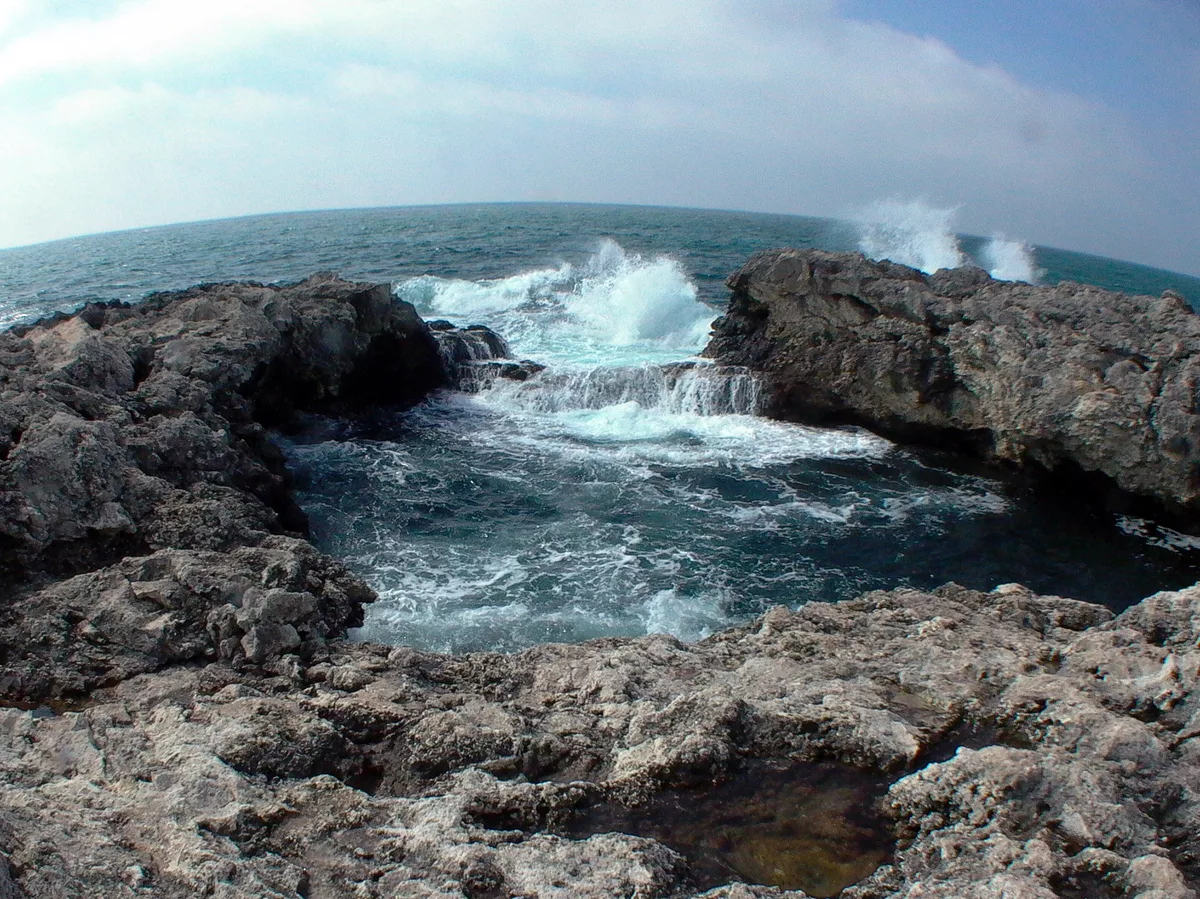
(1036, 746)
(133, 428)
(1051, 377)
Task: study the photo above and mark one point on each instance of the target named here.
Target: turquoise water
(603, 497)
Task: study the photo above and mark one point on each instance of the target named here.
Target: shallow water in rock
(810, 827)
(608, 496)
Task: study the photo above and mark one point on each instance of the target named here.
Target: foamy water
(615, 307)
(630, 487)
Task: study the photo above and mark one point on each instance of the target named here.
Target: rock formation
(1036, 748)
(1060, 378)
(181, 716)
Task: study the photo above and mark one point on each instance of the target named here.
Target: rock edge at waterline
(181, 718)
(1065, 377)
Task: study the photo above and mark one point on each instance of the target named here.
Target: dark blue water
(600, 497)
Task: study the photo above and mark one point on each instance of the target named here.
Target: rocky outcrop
(476, 356)
(127, 429)
(1034, 746)
(181, 716)
(134, 456)
(1066, 377)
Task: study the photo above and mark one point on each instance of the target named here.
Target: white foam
(645, 308)
(627, 299)
(1157, 535)
(972, 499)
(700, 389)
(912, 233)
(685, 617)
(1010, 260)
(630, 434)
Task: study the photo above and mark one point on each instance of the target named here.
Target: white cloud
(161, 112)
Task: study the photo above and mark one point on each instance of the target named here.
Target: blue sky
(1139, 56)
(1064, 122)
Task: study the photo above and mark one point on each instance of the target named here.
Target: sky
(1069, 123)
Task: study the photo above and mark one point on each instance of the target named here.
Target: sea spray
(1010, 260)
(912, 233)
(617, 306)
(921, 235)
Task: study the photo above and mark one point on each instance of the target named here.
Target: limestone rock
(133, 428)
(1036, 746)
(1066, 377)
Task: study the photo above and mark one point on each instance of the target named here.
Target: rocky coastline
(1070, 380)
(182, 715)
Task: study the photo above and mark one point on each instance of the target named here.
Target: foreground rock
(1037, 748)
(1054, 377)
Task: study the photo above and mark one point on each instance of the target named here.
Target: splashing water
(617, 307)
(912, 233)
(1010, 260)
(628, 488)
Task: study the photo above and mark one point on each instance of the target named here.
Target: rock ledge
(1066, 378)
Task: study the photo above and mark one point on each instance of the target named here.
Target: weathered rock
(134, 428)
(476, 356)
(1065, 376)
(1038, 747)
(135, 457)
(172, 607)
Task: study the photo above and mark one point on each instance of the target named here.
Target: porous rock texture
(145, 515)
(181, 717)
(1038, 749)
(1066, 376)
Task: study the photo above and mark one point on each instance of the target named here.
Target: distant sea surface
(601, 498)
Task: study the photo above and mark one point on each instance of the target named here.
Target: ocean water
(617, 493)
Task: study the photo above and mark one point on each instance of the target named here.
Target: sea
(602, 498)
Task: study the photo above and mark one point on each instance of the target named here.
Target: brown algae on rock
(805, 826)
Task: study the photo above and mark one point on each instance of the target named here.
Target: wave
(645, 307)
(912, 233)
(921, 235)
(1010, 260)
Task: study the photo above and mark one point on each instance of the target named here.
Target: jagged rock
(1053, 377)
(136, 459)
(172, 607)
(179, 715)
(133, 428)
(1036, 746)
(476, 356)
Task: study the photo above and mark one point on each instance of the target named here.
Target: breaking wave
(912, 233)
(616, 306)
(1010, 260)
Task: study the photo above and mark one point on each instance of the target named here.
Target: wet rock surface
(182, 717)
(1059, 378)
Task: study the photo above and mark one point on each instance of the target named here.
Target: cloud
(151, 111)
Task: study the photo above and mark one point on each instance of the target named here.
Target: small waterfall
(678, 388)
